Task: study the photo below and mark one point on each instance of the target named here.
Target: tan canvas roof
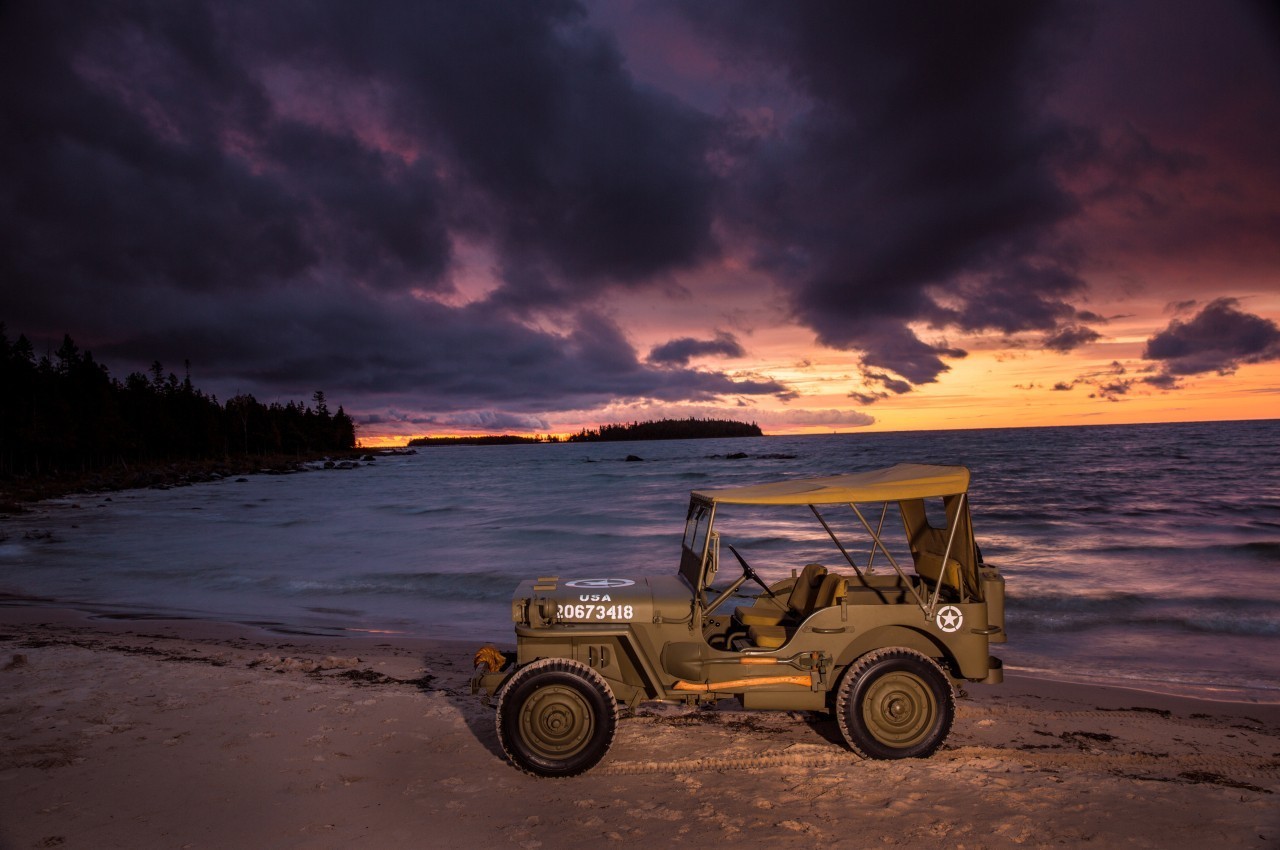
(904, 481)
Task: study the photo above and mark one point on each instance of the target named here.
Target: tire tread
(859, 667)
(557, 665)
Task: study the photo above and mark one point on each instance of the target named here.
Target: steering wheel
(750, 572)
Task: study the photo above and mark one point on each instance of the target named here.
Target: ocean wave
(1199, 683)
(1265, 550)
(1260, 626)
(481, 586)
(416, 510)
(1042, 603)
(1220, 615)
(476, 586)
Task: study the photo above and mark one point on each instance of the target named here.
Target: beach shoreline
(21, 494)
(123, 732)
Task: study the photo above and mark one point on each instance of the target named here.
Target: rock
(633, 459)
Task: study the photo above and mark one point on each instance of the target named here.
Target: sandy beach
(126, 733)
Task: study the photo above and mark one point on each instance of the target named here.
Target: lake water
(1147, 554)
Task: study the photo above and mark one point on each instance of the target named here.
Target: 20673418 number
(586, 611)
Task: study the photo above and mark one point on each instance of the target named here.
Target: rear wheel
(895, 703)
(556, 717)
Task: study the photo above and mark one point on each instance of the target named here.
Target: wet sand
(185, 734)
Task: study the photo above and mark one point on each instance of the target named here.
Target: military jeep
(881, 641)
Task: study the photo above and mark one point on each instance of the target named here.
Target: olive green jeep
(880, 643)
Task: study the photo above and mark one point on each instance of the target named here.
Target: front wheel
(556, 717)
(894, 704)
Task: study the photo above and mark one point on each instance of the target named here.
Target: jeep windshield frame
(946, 556)
(697, 543)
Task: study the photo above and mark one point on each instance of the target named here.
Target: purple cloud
(1070, 337)
(1220, 338)
(680, 351)
(923, 164)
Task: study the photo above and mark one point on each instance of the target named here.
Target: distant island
(661, 429)
(668, 429)
(481, 440)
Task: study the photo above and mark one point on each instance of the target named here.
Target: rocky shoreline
(17, 492)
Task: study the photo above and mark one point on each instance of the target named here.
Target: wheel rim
(899, 709)
(556, 722)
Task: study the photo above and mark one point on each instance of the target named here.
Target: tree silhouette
(69, 415)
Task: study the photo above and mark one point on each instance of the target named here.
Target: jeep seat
(833, 589)
(799, 603)
(888, 589)
(929, 565)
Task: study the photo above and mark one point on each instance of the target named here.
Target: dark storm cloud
(1109, 383)
(288, 194)
(257, 187)
(1128, 170)
(141, 150)
(1220, 338)
(146, 146)
(873, 378)
(1070, 337)
(1112, 390)
(679, 352)
(557, 152)
(919, 185)
(415, 355)
(1163, 381)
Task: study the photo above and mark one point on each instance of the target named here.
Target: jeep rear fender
(905, 636)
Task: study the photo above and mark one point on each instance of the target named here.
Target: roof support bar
(836, 541)
(875, 541)
(942, 573)
(871, 558)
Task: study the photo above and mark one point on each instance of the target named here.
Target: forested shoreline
(67, 416)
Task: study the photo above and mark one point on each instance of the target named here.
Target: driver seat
(800, 602)
(832, 591)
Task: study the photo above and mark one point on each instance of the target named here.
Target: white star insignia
(950, 618)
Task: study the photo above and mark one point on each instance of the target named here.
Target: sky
(496, 217)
